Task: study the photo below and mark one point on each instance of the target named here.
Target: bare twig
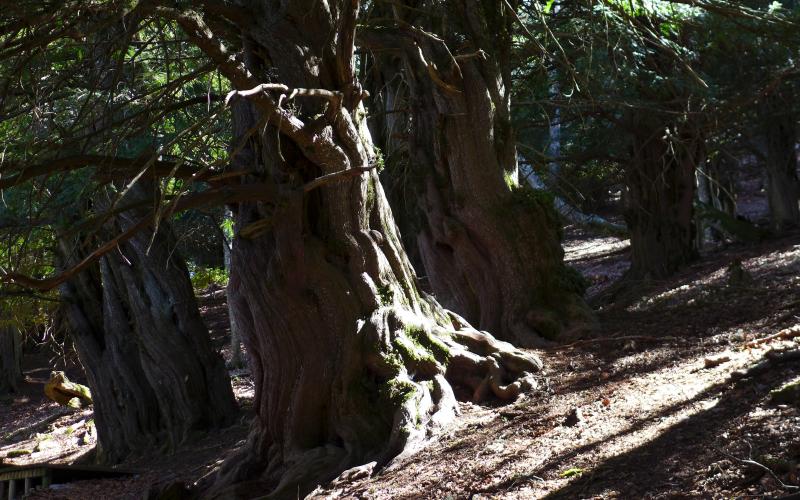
(750, 461)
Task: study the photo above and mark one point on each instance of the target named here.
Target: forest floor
(669, 397)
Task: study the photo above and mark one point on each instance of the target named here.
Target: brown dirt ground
(654, 420)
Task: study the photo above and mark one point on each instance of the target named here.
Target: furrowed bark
(153, 374)
(490, 246)
(660, 180)
(781, 133)
(351, 362)
(10, 358)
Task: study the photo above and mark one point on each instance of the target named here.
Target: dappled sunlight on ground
(523, 450)
(655, 406)
(659, 402)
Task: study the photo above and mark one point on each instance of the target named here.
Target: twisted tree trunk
(10, 359)
(154, 377)
(661, 183)
(490, 246)
(352, 364)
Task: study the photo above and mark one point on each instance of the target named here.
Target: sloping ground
(34, 429)
(658, 404)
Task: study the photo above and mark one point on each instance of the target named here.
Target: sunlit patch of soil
(655, 406)
(602, 260)
(648, 406)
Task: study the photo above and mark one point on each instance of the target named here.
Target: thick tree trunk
(780, 131)
(153, 374)
(10, 359)
(660, 180)
(490, 246)
(351, 363)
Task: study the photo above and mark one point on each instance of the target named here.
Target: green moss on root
(428, 341)
(397, 391)
(411, 351)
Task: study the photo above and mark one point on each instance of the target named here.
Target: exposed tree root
(410, 372)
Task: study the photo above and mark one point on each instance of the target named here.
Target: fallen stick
(612, 339)
(785, 334)
(771, 359)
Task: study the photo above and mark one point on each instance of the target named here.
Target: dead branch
(785, 334)
(226, 194)
(615, 339)
(328, 178)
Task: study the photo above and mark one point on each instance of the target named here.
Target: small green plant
(574, 471)
(386, 294)
(203, 277)
(380, 161)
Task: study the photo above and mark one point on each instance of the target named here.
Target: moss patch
(428, 341)
(397, 391)
(571, 280)
(787, 394)
(412, 352)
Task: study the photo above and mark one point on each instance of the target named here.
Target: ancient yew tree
(153, 374)
(661, 190)
(352, 362)
(780, 132)
(490, 245)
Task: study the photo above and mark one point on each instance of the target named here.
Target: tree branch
(226, 194)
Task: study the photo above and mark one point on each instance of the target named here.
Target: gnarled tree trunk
(10, 358)
(351, 363)
(153, 374)
(661, 183)
(490, 246)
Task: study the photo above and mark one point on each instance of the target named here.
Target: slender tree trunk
(780, 131)
(660, 180)
(705, 230)
(490, 246)
(351, 363)
(237, 356)
(154, 377)
(10, 359)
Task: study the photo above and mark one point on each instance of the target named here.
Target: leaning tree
(352, 362)
(129, 304)
(155, 378)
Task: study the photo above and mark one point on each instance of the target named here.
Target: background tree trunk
(490, 247)
(237, 355)
(660, 180)
(10, 359)
(153, 374)
(780, 131)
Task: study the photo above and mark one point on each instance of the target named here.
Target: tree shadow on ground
(652, 467)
